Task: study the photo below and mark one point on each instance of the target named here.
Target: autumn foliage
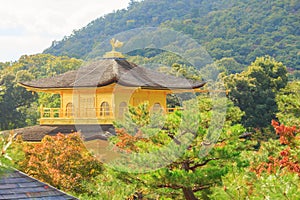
(61, 160)
(287, 134)
(287, 160)
(126, 142)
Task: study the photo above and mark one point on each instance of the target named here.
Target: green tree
(229, 65)
(108, 186)
(188, 72)
(14, 100)
(19, 108)
(254, 90)
(185, 174)
(11, 151)
(45, 65)
(4, 65)
(288, 104)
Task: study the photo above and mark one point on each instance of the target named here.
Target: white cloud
(12, 47)
(29, 26)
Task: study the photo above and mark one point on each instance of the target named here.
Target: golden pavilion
(100, 91)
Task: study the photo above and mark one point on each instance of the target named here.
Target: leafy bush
(62, 161)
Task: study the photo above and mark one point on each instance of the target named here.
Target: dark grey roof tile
(17, 185)
(9, 185)
(29, 184)
(9, 180)
(13, 196)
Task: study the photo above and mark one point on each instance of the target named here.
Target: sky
(29, 26)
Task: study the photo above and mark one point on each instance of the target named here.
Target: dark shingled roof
(107, 71)
(17, 185)
(38, 132)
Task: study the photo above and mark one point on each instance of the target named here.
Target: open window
(70, 110)
(157, 107)
(104, 109)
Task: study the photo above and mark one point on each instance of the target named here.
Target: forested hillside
(239, 29)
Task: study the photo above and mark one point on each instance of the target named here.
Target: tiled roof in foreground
(38, 132)
(17, 185)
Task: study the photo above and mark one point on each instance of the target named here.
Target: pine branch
(196, 189)
(174, 139)
(202, 164)
(175, 187)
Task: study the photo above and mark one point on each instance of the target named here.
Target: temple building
(100, 91)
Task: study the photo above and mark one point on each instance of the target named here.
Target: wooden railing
(85, 113)
(58, 116)
(76, 113)
(50, 113)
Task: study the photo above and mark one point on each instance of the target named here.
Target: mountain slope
(242, 29)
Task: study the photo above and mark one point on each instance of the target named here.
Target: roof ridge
(116, 70)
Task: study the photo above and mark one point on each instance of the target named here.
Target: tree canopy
(255, 89)
(288, 104)
(18, 107)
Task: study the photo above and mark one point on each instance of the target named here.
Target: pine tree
(162, 154)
